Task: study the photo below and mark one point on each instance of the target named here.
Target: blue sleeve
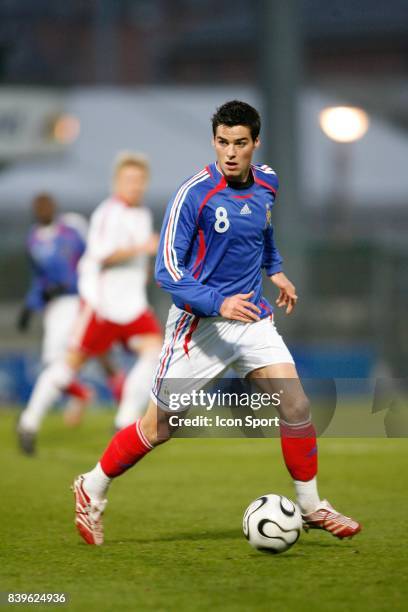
(78, 249)
(77, 243)
(272, 260)
(81, 245)
(176, 239)
(63, 266)
(34, 299)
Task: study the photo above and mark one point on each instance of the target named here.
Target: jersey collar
(120, 200)
(239, 186)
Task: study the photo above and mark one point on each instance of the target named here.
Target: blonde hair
(129, 158)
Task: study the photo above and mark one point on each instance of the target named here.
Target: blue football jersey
(216, 239)
(54, 253)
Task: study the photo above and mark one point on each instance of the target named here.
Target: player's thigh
(143, 334)
(265, 359)
(92, 335)
(194, 352)
(59, 318)
(148, 343)
(261, 345)
(283, 379)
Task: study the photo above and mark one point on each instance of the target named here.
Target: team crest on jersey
(245, 210)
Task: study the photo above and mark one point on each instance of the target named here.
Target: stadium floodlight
(66, 129)
(344, 123)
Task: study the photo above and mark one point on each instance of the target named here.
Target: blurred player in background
(115, 377)
(112, 284)
(55, 245)
(54, 250)
(216, 238)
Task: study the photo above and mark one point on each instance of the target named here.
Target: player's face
(131, 184)
(234, 147)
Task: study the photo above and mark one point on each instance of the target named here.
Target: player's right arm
(104, 236)
(119, 255)
(177, 236)
(34, 299)
(272, 262)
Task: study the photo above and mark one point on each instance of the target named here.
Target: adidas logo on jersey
(245, 210)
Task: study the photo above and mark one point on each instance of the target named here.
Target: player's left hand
(23, 319)
(287, 292)
(53, 291)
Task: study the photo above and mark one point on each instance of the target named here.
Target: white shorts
(59, 318)
(200, 349)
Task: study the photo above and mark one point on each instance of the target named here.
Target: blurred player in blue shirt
(54, 249)
(55, 245)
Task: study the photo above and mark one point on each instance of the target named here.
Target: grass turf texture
(173, 526)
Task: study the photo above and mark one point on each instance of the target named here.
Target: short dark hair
(235, 112)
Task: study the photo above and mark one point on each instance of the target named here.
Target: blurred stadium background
(81, 80)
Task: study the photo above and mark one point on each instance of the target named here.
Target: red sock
(115, 383)
(299, 450)
(125, 449)
(77, 389)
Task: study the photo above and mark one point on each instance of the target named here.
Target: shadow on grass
(332, 543)
(185, 536)
(225, 534)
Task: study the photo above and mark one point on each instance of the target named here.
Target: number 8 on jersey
(222, 222)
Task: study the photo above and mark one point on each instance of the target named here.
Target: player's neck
(46, 231)
(241, 182)
(126, 202)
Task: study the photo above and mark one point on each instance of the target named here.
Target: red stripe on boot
(299, 450)
(126, 448)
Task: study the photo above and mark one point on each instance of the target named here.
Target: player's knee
(157, 431)
(297, 410)
(149, 346)
(60, 374)
(75, 359)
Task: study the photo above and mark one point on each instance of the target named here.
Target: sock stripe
(300, 424)
(297, 430)
(126, 448)
(142, 436)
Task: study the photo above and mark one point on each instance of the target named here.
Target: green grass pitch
(173, 526)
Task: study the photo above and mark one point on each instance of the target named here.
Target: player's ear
(257, 142)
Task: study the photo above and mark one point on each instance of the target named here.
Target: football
(272, 523)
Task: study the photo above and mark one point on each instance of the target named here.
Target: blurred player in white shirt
(112, 285)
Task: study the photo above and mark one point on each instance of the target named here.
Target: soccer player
(112, 284)
(216, 239)
(54, 247)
